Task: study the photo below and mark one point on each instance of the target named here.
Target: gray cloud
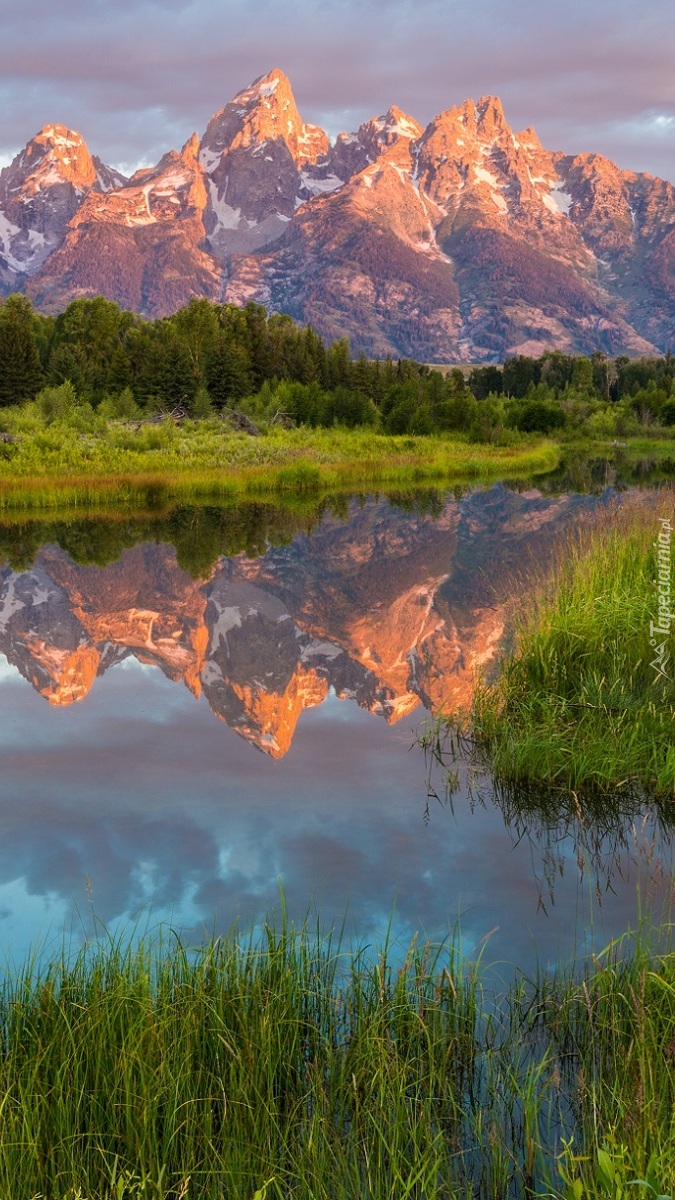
(137, 78)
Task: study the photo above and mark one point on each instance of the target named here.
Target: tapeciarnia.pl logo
(659, 630)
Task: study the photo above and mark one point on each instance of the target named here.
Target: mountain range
(460, 242)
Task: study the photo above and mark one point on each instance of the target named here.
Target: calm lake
(199, 706)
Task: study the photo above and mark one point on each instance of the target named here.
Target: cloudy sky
(137, 77)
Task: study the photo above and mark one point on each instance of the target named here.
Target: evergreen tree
(582, 374)
(20, 370)
(87, 335)
(339, 364)
(175, 379)
(484, 380)
(519, 373)
(228, 375)
(68, 361)
(258, 344)
(119, 374)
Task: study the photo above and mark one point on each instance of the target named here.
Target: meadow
(88, 461)
(287, 1065)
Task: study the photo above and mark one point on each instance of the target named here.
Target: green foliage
(201, 407)
(119, 407)
(484, 380)
(228, 371)
(518, 374)
(55, 403)
(535, 416)
(212, 356)
(287, 1064)
(488, 421)
(578, 703)
(80, 457)
(20, 369)
(667, 413)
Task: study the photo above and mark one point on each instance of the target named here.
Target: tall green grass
(577, 703)
(286, 1066)
(48, 466)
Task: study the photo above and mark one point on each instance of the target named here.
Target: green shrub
(55, 403)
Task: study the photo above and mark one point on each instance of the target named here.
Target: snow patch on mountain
(11, 603)
(209, 159)
(558, 200)
(318, 186)
(227, 216)
(269, 88)
(485, 176)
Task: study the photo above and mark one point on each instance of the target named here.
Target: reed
(285, 1065)
(577, 702)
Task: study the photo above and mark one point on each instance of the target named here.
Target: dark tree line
(210, 356)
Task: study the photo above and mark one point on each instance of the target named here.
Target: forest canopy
(209, 357)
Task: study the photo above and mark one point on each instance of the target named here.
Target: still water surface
(177, 738)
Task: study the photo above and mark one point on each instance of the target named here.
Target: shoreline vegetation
(55, 468)
(97, 400)
(201, 461)
(286, 1066)
(583, 700)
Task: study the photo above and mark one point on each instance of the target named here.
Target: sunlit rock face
(141, 244)
(388, 609)
(261, 162)
(464, 241)
(40, 192)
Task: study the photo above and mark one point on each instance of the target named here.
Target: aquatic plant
(582, 700)
(284, 1064)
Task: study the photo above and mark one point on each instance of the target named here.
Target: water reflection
(137, 797)
(385, 606)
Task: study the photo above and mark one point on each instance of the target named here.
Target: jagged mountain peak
(56, 155)
(387, 137)
(482, 121)
(40, 191)
(274, 83)
(190, 148)
(169, 191)
(463, 241)
(261, 162)
(490, 108)
(265, 112)
(529, 138)
(58, 136)
(397, 123)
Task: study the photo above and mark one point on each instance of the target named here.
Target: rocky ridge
(464, 241)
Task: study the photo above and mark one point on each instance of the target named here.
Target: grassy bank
(579, 701)
(289, 1068)
(54, 465)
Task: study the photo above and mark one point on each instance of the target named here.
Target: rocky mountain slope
(463, 241)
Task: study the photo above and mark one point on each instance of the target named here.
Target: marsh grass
(60, 465)
(576, 703)
(284, 1065)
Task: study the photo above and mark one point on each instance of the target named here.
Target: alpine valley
(461, 242)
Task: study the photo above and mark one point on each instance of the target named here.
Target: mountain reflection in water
(141, 793)
(387, 608)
